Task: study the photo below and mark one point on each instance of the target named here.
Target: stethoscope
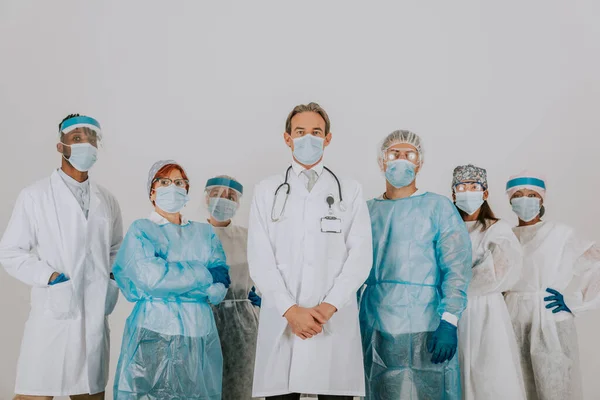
(330, 200)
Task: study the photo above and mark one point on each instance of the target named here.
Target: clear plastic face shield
(79, 130)
(80, 138)
(223, 197)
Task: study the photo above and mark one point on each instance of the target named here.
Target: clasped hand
(308, 322)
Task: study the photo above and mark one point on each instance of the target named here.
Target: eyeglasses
(165, 182)
(399, 154)
(469, 187)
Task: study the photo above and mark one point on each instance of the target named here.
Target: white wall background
(506, 85)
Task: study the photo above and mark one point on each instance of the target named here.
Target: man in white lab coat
(61, 241)
(309, 250)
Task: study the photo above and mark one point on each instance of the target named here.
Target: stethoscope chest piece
(286, 189)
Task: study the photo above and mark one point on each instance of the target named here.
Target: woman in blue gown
(171, 269)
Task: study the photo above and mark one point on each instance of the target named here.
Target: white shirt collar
(160, 220)
(299, 168)
(72, 182)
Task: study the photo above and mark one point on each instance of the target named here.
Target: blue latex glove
(443, 343)
(59, 279)
(254, 298)
(220, 275)
(557, 300)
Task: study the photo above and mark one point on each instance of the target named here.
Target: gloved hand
(443, 343)
(220, 275)
(254, 298)
(557, 300)
(59, 279)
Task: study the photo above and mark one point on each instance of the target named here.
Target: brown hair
(486, 217)
(310, 107)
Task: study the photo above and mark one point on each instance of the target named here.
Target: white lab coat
(65, 348)
(293, 262)
(488, 352)
(553, 257)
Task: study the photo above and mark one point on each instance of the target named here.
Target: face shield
(223, 197)
(80, 137)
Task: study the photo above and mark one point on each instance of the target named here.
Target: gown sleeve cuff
(450, 318)
(283, 303)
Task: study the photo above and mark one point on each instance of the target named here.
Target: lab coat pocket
(112, 296)
(60, 302)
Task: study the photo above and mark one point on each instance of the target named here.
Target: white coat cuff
(44, 274)
(283, 302)
(450, 318)
(335, 300)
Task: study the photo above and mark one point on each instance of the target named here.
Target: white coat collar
(160, 220)
(95, 195)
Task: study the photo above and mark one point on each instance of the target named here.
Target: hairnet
(157, 167)
(526, 180)
(399, 137)
(469, 173)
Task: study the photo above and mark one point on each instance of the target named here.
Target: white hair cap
(399, 137)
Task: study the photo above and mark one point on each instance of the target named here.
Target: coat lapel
(71, 224)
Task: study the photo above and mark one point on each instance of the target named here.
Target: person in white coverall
(309, 250)
(560, 281)
(61, 241)
(487, 347)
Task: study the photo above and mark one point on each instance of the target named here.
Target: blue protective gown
(170, 347)
(421, 269)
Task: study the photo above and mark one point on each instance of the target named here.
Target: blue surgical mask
(171, 199)
(308, 149)
(222, 209)
(469, 202)
(526, 208)
(400, 173)
(83, 156)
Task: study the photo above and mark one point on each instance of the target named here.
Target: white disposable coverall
(489, 357)
(553, 257)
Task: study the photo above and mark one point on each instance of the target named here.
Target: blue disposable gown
(170, 346)
(421, 269)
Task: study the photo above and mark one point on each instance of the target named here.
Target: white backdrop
(505, 85)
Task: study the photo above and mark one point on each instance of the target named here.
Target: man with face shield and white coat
(416, 291)
(560, 280)
(237, 316)
(309, 250)
(62, 238)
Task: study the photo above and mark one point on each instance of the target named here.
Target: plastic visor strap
(225, 182)
(80, 122)
(525, 182)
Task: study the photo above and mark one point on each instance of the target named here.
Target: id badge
(331, 224)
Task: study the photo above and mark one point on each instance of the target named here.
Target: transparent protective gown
(553, 257)
(237, 318)
(487, 347)
(170, 346)
(421, 269)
